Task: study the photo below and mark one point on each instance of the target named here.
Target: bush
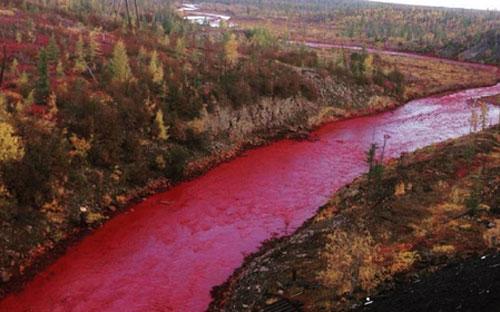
(45, 162)
(176, 161)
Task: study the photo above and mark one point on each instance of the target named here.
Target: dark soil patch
(472, 285)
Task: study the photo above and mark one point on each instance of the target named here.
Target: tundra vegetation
(453, 33)
(102, 102)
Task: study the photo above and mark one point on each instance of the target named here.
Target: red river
(167, 252)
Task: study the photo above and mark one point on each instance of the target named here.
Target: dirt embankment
(426, 209)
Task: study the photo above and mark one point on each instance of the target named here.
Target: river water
(167, 252)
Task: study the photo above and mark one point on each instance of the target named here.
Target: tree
(128, 15)
(42, 87)
(11, 147)
(473, 120)
(484, 114)
(80, 63)
(156, 68)
(94, 46)
(369, 65)
(52, 49)
(231, 49)
(370, 156)
(161, 129)
(120, 66)
(180, 47)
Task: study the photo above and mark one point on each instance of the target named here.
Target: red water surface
(169, 251)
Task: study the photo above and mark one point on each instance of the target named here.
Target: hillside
(401, 222)
(470, 35)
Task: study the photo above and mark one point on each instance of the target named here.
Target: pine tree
(369, 65)
(180, 47)
(161, 129)
(156, 68)
(484, 114)
(120, 64)
(473, 120)
(52, 50)
(231, 49)
(10, 145)
(42, 87)
(80, 63)
(94, 47)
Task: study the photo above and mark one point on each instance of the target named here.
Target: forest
(453, 33)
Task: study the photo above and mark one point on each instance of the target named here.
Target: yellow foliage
(121, 199)
(11, 147)
(80, 145)
(93, 217)
(400, 189)
(54, 211)
(197, 125)
(231, 49)
(156, 68)
(120, 64)
(378, 102)
(350, 258)
(369, 65)
(5, 12)
(160, 162)
(160, 125)
(443, 249)
(403, 260)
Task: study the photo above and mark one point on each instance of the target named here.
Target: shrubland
(471, 35)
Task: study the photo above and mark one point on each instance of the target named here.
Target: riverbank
(429, 207)
(209, 219)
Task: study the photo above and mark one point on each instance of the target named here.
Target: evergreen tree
(180, 47)
(156, 68)
(119, 65)
(52, 49)
(94, 46)
(10, 145)
(231, 49)
(484, 114)
(42, 87)
(161, 129)
(80, 63)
